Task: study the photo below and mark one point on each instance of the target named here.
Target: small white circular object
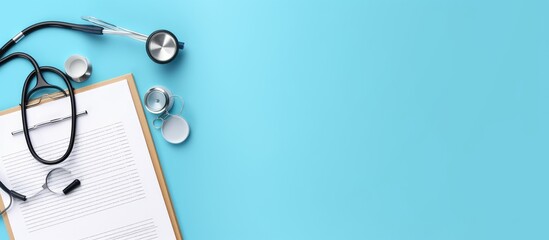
(78, 68)
(175, 129)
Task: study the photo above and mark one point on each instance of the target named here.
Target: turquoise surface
(334, 119)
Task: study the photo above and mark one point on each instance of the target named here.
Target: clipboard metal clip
(46, 123)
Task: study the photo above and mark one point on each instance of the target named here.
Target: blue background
(387, 119)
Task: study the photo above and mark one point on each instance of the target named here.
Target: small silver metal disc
(157, 100)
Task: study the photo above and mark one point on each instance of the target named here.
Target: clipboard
(148, 139)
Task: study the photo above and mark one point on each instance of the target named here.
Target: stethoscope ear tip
(162, 46)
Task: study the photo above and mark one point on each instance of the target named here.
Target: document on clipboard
(123, 194)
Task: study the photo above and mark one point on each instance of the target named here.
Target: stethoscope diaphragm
(162, 46)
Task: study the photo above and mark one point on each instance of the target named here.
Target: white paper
(120, 197)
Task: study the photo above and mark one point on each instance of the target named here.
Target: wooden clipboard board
(148, 138)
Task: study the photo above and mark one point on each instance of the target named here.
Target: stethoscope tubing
(100, 28)
(41, 83)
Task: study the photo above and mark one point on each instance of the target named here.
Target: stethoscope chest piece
(162, 46)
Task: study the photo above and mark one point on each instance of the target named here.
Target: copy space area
(333, 119)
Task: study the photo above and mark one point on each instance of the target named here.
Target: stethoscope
(162, 47)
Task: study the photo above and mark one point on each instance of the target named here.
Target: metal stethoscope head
(162, 46)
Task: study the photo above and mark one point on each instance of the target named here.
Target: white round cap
(175, 129)
(78, 68)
